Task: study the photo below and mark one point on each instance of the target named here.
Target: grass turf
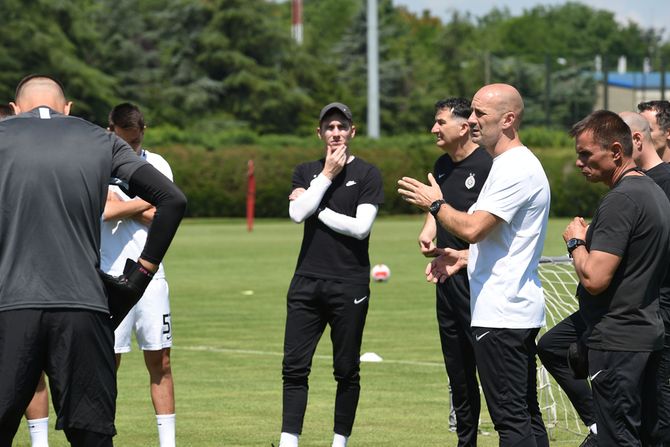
(228, 291)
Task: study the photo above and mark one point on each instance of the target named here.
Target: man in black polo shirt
(553, 346)
(337, 197)
(54, 309)
(620, 259)
(461, 173)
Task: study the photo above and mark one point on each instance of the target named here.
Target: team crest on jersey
(470, 181)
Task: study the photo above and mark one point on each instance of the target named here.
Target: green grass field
(228, 290)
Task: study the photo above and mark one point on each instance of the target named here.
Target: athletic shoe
(591, 440)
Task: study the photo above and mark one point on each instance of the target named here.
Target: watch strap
(435, 206)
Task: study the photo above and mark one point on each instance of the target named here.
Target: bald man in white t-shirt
(506, 229)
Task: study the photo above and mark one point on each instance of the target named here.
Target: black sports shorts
(76, 350)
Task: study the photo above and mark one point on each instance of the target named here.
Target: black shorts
(76, 350)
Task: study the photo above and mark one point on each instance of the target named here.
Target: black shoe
(591, 440)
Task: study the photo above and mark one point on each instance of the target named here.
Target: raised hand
(420, 194)
(336, 158)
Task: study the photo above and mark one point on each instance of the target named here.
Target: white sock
(39, 432)
(593, 429)
(288, 440)
(340, 441)
(166, 430)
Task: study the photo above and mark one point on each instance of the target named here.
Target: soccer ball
(380, 273)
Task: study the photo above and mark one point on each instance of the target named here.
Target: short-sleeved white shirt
(505, 288)
(125, 238)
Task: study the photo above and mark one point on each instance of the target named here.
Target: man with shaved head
(506, 228)
(57, 313)
(647, 158)
(657, 112)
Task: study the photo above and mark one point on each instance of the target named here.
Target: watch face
(435, 206)
(574, 243)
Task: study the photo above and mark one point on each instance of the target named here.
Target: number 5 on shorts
(166, 324)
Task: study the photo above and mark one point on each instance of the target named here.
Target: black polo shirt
(633, 222)
(54, 172)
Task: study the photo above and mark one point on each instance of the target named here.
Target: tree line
(216, 65)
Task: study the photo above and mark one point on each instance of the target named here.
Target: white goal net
(559, 281)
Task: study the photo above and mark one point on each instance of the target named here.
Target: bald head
(35, 91)
(496, 115)
(503, 98)
(644, 152)
(637, 123)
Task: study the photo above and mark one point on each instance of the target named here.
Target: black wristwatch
(574, 243)
(435, 207)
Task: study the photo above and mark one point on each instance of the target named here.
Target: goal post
(559, 282)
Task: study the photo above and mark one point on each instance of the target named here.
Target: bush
(215, 177)
(543, 137)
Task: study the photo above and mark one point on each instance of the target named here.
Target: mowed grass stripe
(228, 291)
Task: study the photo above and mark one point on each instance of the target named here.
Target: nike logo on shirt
(360, 300)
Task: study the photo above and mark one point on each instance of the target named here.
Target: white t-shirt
(505, 290)
(125, 238)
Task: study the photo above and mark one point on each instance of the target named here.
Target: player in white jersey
(123, 234)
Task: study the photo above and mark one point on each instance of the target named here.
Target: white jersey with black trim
(125, 238)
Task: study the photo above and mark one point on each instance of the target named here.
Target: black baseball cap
(342, 108)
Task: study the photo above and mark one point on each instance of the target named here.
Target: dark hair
(126, 116)
(458, 106)
(30, 77)
(607, 128)
(662, 109)
(6, 110)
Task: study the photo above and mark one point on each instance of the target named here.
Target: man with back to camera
(124, 230)
(658, 114)
(54, 309)
(337, 197)
(506, 229)
(37, 413)
(460, 171)
(125, 225)
(621, 260)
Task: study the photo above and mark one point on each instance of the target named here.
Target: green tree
(56, 38)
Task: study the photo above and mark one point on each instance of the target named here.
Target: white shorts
(149, 319)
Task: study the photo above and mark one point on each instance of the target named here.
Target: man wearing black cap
(337, 197)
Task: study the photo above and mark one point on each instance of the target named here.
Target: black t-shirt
(460, 183)
(633, 222)
(661, 175)
(54, 172)
(325, 253)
